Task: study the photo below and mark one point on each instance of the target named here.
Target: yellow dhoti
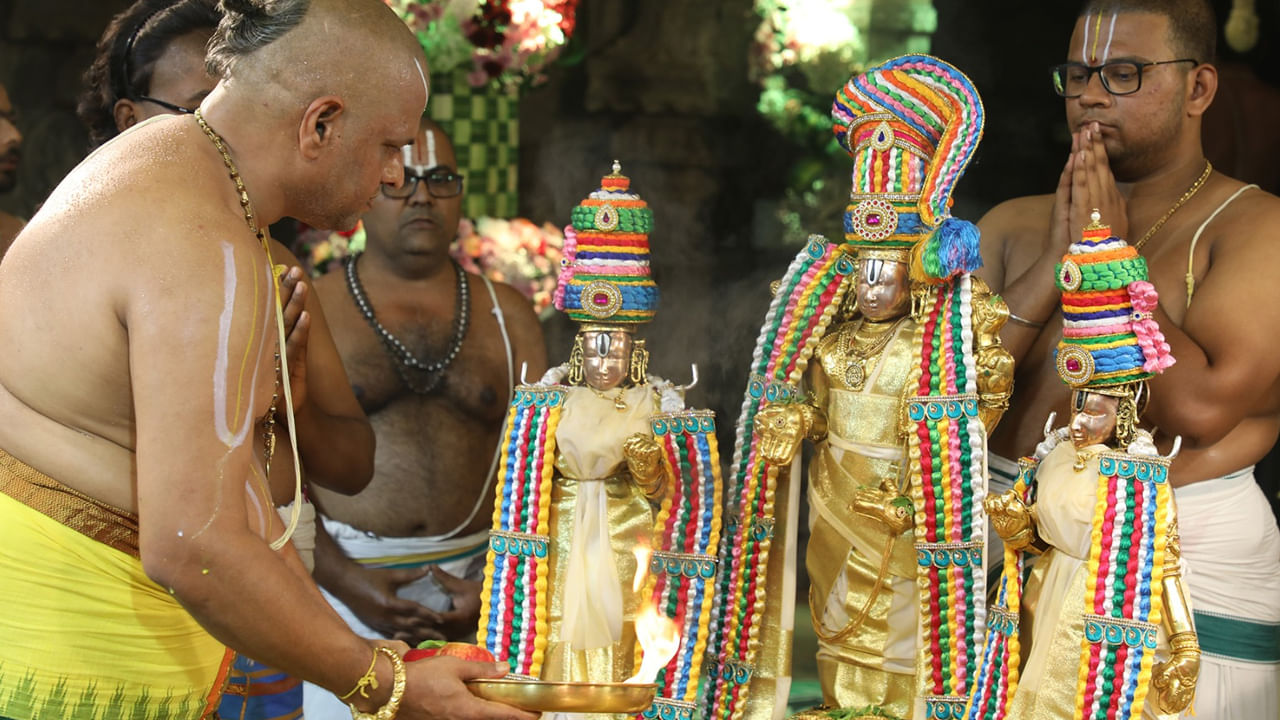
(84, 634)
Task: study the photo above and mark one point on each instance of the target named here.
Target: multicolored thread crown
(1109, 336)
(911, 125)
(605, 278)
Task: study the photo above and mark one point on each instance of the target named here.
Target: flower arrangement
(802, 51)
(503, 42)
(517, 252)
(322, 251)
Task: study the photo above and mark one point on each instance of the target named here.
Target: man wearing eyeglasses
(1136, 84)
(432, 353)
(10, 146)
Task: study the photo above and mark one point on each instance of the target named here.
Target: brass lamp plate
(583, 697)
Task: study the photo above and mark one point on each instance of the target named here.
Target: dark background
(662, 86)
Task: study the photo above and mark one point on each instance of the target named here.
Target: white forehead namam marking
(426, 89)
(1111, 32)
(1092, 36)
(432, 159)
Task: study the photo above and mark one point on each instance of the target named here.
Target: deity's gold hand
(644, 460)
(894, 511)
(781, 429)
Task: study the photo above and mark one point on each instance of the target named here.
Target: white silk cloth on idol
(589, 441)
(1231, 550)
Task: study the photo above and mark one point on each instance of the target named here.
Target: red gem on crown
(873, 219)
(1073, 365)
(600, 299)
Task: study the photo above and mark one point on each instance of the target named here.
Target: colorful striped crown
(605, 278)
(911, 125)
(1109, 336)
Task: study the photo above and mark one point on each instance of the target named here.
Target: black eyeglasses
(441, 184)
(1119, 77)
(166, 105)
(126, 89)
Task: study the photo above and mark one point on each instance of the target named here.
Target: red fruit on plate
(465, 651)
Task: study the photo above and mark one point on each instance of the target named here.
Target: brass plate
(542, 696)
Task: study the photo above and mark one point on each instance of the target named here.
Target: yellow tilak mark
(244, 361)
(1097, 30)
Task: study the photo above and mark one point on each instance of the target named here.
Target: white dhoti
(1231, 547)
(461, 556)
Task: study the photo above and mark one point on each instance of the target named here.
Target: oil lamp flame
(659, 639)
(642, 553)
(657, 634)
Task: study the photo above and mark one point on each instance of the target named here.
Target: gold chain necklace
(235, 177)
(269, 421)
(1191, 191)
(618, 403)
(855, 373)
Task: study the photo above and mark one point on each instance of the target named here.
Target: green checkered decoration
(484, 124)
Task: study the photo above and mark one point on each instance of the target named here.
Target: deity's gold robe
(863, 592)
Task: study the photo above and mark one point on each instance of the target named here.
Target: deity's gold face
(1093, 418)
(883, 289)
(606, 358)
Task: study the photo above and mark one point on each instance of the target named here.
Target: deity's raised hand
(644, 459)
(781, 429)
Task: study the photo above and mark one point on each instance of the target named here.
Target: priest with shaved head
(139, 312)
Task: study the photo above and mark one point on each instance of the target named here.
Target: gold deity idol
(1094, 508)
(604, 460)
(884, 352)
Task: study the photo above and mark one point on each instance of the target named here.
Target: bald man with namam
(137, 538)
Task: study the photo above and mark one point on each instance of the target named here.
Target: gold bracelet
(398, 685)
(1025, 322)
(366, 681)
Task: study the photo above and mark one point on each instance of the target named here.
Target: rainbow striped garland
(997, 679)
(802, 309)
(682, 572)
(515, 596)
(514, 602)
(946, 444)
(1122, 586)
(1131, 524)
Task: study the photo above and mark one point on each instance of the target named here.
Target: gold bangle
(1025, 322)
(366, 681)
(1184, 642)
(398, 685)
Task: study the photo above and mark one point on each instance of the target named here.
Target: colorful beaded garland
(997, 679)
(1122, 585)
(945, 444)
(513, 600)
(808, 297)
(682, 573)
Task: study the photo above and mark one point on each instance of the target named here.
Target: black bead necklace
(405, 362)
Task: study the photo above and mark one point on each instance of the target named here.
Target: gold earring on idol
(576, 360)
(639, 362)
